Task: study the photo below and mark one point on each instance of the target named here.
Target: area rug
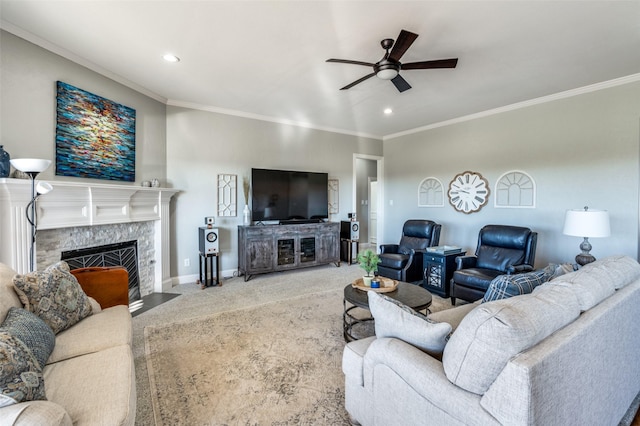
(275, 364)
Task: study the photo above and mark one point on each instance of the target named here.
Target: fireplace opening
(120, 254)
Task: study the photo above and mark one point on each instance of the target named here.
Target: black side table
(207, 259)
(438, 270)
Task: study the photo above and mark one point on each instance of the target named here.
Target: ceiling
(266, 59)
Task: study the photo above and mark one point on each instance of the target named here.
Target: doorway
(367, 196)
(373, 212)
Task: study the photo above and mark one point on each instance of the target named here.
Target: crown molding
(524, 104)
(277, 120)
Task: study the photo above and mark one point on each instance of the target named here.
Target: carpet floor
(263, 352)
(198, 310)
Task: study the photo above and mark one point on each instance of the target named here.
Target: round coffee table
(411, 295)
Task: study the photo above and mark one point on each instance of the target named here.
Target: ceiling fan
(388, 68)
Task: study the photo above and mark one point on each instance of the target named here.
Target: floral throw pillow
(54, 295)
(20, 373)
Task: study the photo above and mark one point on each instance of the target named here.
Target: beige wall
(201, 145)
(28, 76)
(581, 151)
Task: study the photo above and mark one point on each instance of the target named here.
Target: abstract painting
(95, 137)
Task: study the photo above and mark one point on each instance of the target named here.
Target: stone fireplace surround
(77, 215)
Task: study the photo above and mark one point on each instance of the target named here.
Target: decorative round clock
(468, 192)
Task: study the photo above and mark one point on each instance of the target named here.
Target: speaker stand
(207, 260)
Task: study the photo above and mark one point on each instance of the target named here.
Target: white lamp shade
(33, 165)
(43, 188)
(587, 223)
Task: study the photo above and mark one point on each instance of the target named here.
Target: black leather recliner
(403, 261)
(501, 250)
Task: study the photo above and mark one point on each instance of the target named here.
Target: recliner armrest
(389, 248)
(463, 262)
(519, 269)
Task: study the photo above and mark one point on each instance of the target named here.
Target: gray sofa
(565, 354)
(89, 378)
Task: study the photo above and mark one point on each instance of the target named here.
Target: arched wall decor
(515, 189)
(430, 193)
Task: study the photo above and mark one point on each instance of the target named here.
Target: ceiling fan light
(170, 58)
(387, 74)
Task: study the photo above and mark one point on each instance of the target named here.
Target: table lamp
(586, 223)
(33, 167)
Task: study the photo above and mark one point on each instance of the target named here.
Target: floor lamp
(33, 167)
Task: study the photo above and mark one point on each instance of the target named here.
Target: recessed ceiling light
(171, 58)
(388, 111)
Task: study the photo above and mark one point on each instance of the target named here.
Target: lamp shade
(43, 188)
(387, 74)
(587, 223)
(30, 165)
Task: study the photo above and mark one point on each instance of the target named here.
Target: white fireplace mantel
(73, 204)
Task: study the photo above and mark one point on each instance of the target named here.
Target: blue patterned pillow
(54, 295)
(505, 286)
(20, 373)
(32, 331)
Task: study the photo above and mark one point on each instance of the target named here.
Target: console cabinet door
(260, 256)
(328, 249)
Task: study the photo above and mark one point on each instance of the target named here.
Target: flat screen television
(284, 195)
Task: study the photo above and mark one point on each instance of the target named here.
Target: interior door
(373, 213)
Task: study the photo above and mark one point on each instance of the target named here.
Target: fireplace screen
(120, 254)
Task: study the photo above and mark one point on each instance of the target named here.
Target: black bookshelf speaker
(350, 230)
(209, 241)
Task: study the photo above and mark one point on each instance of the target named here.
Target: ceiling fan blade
(404, 41)
(349, 86)
(347, 61)
(440, 63)
(400, 83)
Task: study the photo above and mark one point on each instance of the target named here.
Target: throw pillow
(394, 319)
(557, 270)
(20, 373)
(32, 331)
(504, 286)
(54, 295)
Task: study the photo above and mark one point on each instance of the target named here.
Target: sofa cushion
(598, 280)
(505, 286)
(622, 270)
(394, 319)
(490, 335)
(95, 389)
(20, 373)
(32, 331)
(455, 315)
(54, 295)
(8, 295)
(109, 328)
